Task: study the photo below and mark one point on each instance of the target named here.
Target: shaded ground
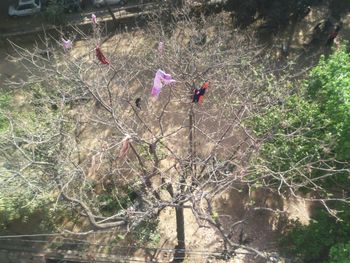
(13, 25)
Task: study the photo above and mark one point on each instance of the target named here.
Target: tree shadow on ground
(273, 17)
(257, 218)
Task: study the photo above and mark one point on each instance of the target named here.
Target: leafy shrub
(146, 232)
(329, 86)
(307, 127)
(340, 253)
(23, 205)
(5, 99)
(312, 243)
(113, 200)
(296, 131)
(20, 200)
(310, 126)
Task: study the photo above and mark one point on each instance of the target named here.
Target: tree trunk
(179, 254)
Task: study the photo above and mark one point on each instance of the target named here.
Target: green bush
(312, 243)
(113, 200)
(146, 232)
(297, 130)
(23, 204)
(340, 253)
(307, 135)
(5, 100)
(309, 126)
(20, 200)
(329, 86)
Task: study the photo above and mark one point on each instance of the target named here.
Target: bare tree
(181, 154)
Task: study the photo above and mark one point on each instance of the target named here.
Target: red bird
(101, 57)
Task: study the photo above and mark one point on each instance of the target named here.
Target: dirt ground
(261, 228)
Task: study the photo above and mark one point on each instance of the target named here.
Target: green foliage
(20, 204)
(313, 242)
(26, 194)
(309, 126)
(329, 86)
(17, 200)
(113, 200)
(146, 232)
(340, 253)
(296, 130)
(144, 151)
(5, 100)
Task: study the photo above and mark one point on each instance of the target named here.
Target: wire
(169, 250)
(83, 242)
(33, 235)
(55, 234)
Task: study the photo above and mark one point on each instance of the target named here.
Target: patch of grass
(5, 100)
(146, 232)
(114, 200)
